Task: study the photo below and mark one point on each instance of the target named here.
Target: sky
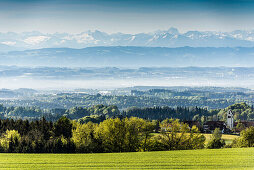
(126, 16)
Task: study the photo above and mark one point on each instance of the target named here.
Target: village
(230, 126)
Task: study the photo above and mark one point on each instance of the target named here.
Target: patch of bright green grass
(231, 158)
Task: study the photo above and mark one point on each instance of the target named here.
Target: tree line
(111, 135)
(101, 112)
(155, 97)
(98, 113)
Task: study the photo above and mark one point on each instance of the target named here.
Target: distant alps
(168, 38)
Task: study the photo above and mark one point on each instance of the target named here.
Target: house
(192, 123)
(246, 124)
(210, 126)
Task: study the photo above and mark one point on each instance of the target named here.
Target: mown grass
(231, 158)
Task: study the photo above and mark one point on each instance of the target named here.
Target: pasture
(228, 138)
(231, 158)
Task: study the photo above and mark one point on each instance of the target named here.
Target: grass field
(228, 138)
(236, 158)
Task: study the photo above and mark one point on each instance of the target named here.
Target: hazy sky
(127, 16)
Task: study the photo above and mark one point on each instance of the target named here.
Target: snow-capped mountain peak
(167, 38)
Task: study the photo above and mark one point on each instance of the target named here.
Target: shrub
(216, 141)
(246, 138)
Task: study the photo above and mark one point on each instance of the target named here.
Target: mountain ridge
(161, 38)
(132, 56)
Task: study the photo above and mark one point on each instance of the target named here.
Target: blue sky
(127, 16)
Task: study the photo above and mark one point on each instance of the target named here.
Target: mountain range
(114, 77)
(132, 57)
(11, 41)
(88, 73)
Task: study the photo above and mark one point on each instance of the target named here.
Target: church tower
(230, 119)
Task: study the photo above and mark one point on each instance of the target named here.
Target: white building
(230, 119)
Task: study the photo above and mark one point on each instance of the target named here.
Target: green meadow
(228, 138)
(231, 158)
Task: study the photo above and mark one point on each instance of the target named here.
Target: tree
(83, 137)
(246, 138)
(216, 141)
(10, 140)
(137, 133)
(147, 128)
(195, 140)
(196, 118)
(176, 135)
(112, 134)
(239, 127)
(126, 135)
(63, 127)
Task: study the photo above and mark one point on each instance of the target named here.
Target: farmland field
(236, 158)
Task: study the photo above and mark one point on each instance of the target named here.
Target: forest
(106, 128)
(111, 135)
(98, 113)
(123, 98)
